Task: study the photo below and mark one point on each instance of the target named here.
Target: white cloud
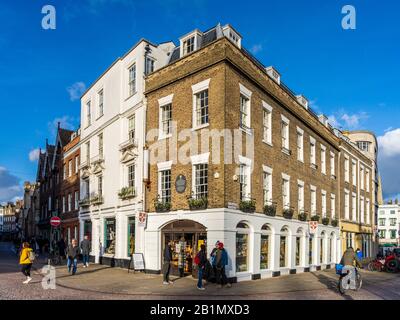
(344, 120)
(66, 122)
(256, 48)
(34, 155)
(76, 90)
(10, 187)
(388, 162)
(389, 143)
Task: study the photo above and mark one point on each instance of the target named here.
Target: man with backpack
(220, 261)
(201, 260)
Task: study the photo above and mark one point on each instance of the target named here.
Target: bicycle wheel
(392, 266)
(371, 266)
(358, 282)
(341, 289)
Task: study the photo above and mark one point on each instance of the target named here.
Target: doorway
(187, 236)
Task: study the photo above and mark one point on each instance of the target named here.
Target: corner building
(291, 175)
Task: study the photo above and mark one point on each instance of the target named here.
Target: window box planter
(315, 217)
(96, 199)
(162, 206)
(127, 193)
(248, 206)
(334, 223)
(325, 221)
(197, 204)
(84, 202)
(302, 216)
(288, 213)
(270, 210)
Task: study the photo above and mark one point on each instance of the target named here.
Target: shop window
(322, 249)
(242, 247)
(299, 249)
(109, 236)
(283, 257)
(265, 247)
(131, 236)
(87, 229)
(310, 251)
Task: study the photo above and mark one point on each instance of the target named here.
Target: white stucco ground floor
(258, 246)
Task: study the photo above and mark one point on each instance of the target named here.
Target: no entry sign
(55, 221)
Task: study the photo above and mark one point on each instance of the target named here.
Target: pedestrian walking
(25, 260)
(61, 247)
(167, 263)
(201, 261)
(73, 252)
(85, 249)
(220, 261)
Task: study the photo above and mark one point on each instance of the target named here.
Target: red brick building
(69, 189)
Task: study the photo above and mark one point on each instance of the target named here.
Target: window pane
(241, 252)
(264, 252)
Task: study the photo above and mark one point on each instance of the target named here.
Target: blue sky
(350, 75)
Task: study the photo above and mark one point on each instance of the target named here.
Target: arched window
(283, 248)
(322, 248)
(242, 247)
(265, 247)
(299, 246)
(331, 248)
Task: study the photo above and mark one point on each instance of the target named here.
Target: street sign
(313, 225)
(55, 221)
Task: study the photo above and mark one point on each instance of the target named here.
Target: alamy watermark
(349, 20)
(49, 20)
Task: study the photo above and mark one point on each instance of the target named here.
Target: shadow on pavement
(331, 284)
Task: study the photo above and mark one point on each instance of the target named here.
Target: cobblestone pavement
(102, 282)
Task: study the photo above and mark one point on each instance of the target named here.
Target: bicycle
(55, 258)
(376, 265)
(345, 280)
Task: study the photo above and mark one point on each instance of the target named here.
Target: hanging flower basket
(162, 206)
(197, 204)
(334, 223)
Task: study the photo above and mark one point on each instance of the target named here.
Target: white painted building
(112, 142)
(389, 224)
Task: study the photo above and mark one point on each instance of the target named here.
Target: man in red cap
(220, 261)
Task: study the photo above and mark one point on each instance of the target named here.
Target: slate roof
(65, 136)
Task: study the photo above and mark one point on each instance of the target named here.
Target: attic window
(188, 45)
(234, 37)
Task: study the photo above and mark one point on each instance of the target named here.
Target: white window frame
(88, 113)
(100, 97)
(300, 144)
(267, 123)
(163, 166)
(163, 102)
(285, 190)
(132, 82)
(196, 160)
(313, 151)
(367, 180)
(69, 202)
(332, 164)
(346, 204)
(354, 207)
(362, 177)
(333, 206)
(76, 195)
(285, 133)
(246, 93)
(323, 159)
(197, 88)
(354, 172)
(323, 204)
(362, 211)
(243, 161)
(368, 211)
(300, 197)
(346, 169)
(267, 181)
(313, 202)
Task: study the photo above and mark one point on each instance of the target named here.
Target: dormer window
(148, 65)
(188, 45)
(232, 35)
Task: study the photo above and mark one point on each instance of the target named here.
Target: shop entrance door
(186, 236)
